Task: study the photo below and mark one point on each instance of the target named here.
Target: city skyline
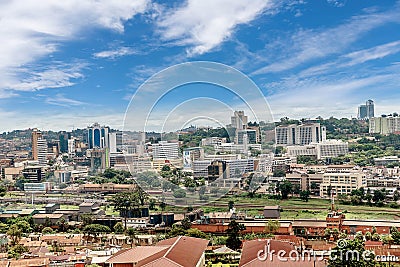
(83, 64)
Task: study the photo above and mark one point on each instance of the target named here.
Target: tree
(15, 234)
(351, 253)
(233, 231)
(272, 226)
(194, 232)
(179, 193)
(131, 232)
(279, 173)
(47, 230)
(305, 195)
(16, 251)
(3, 191)
(118, 228)
(86, 219)
(378, 196)
(95, 230)
(285, 188)
(231, 204)
(186, 224)
(125, 203)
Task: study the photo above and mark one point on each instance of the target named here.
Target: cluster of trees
(361, 196)
(113, 176)
(129, 202)
(184, 229)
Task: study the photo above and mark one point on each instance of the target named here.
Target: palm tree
(131, 232)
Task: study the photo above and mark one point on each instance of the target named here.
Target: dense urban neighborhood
(212, 196)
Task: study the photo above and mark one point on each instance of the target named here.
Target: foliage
(305, 195)
(279, 173)
(96, 229)
(118, 228)
(272, 226)
(285, 188)
(179, 193)
(47, 230)
(186, 224)
(113, 176)
(15, 233)
(234, 229)
(16, 251)
(351, 253)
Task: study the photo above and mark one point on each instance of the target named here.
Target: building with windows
(98, 136)
(366, 111)
(165, 150)
(384, 125)
(41, 148)
(191, 154)
(342, 181)
(36, 135)
(303, 134)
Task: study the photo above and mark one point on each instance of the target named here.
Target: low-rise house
(178, 251)
(45, 218)
(221, 217)
(272, 212)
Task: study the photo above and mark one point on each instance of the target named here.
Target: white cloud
(205, 24)
(308, 45)
(61, 100)
(119, 52)
(56, 76)
(33, 29)
(373, 53)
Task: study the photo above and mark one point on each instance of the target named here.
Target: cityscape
(200, 133)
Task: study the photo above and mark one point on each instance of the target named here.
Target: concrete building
(386, 160)
(384, 125)
(191, 154)
(41, 148)
(98, 136)
(165, 150)
(366, 111)
(36, 135)
(33, 173)
(342, 182)
(303, 134)
(325, 149)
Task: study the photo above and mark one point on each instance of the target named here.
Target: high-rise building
(303, 134)
(366, 111)
(98, 136)
(239, 120)
(41, 149)
(115, 141)
(165, 150)
(385, 125)
(36, 134)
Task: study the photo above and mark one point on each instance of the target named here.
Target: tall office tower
(115, 141)
(98, 136)
(303, 134)
(63, 138)
(239, 123)
(71, 147)
(370, 109)
(41, 149)
(239, 120)
(36, 134)
(366, 111)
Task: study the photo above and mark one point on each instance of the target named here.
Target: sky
(68, 64)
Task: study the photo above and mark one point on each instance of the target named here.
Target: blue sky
(66, 64)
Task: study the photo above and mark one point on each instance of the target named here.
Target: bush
(47, 230)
